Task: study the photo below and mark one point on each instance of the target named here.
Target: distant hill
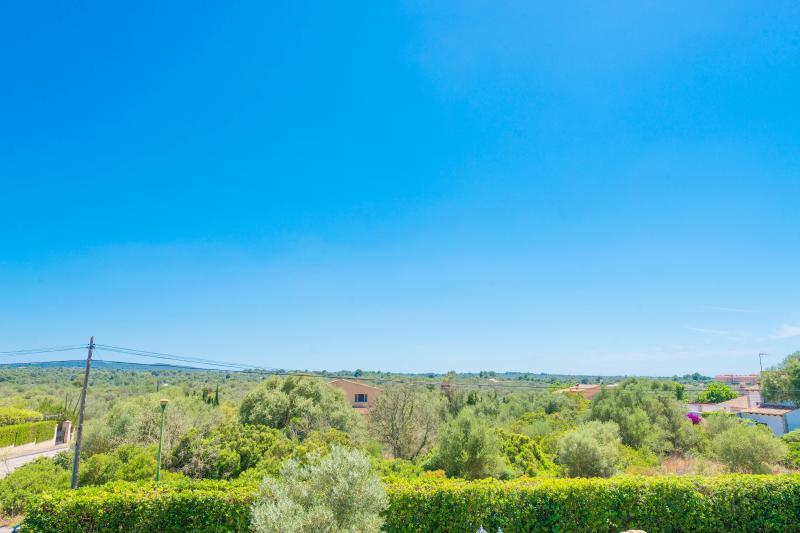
(107, 365)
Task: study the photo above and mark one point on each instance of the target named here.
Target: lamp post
(163, 403)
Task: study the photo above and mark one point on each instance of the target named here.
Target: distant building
(779, 418)
(731, 406)
(740, 381)
(588, 391)
(361, 397)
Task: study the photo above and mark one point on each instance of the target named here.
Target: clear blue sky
(413, 186)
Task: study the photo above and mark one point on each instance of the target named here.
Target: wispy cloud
(706, 330)
(731, 309)
(786, 331)
(722, 333)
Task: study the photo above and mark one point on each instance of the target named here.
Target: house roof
(335, 381)
(740, 402)
(772, 411)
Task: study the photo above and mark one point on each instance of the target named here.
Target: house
(780, 419)
(360, 396)
(588, 391)
(740, 381)
(731, 406)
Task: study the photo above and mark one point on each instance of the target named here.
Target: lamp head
(163, 402)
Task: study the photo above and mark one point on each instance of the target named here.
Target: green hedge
(703, 504)
(19, 434)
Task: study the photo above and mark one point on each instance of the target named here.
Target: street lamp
(163, 403)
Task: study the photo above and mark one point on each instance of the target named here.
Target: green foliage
(129, 462)
(229, 450)
(168, 507)
(467, 447)
(592, 450)
(680, 392)
(647, 414)
(782, 383)
(405, 420)
(748, 449)
(336, 493)
(23, 485)
(13, 415)
(298, 405)
(716, 392)
(20, 434)
(792, 440)
(655, 504)
(525, 456)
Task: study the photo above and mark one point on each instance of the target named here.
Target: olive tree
(404, 419)
(336, 493)
(592, 450)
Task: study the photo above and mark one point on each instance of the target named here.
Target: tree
(229, 450)
(405, 420)
(748, 449)
(783, 382)
(647, 414)
(592, 450)
(716, 392)
(468, 448)
(298, 405)
(680, 392)
(331, 494)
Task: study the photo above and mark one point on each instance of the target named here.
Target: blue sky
(412, 186)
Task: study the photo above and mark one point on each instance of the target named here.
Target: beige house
(361, 397)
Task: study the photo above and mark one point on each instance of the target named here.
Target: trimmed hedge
(20, 434)
(186, 505)
(703, 504)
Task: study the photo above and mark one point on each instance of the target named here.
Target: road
(9, 465)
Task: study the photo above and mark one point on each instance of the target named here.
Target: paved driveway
(9, 465)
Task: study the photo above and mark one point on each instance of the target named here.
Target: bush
(229, 450)
(175, 507)
(20, 487)
(525, 456)
(12, 415)
(20, 434)
(335, 493)
(715, 393)
(468, 448)
(748, 449)
(592, 450)
(657, 504)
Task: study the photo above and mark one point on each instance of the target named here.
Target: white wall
(775, 423)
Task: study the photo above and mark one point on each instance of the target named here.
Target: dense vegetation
(655, 504)
(426, 432)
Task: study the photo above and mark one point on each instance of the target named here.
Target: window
(361, 398)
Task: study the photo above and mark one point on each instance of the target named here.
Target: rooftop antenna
(760, 360)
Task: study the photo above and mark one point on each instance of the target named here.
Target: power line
(37, 351)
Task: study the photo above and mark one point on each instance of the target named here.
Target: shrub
(525, 456)
(20, 487)
(335, 493)
(592, 450)
(174, 507)
(467, 447)
(656, 504)
(20, 434)
(748, 449)
(229, 450)
(12, 415)
(715, 393)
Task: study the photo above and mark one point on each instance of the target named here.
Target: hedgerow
(19, 434)
(702, 504)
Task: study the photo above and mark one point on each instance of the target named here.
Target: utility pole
(163, 403)
(760, 360)
(77, 458)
